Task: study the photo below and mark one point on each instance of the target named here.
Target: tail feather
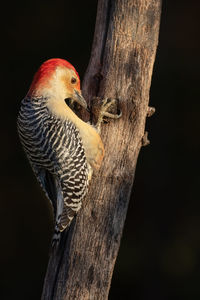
(56, 237)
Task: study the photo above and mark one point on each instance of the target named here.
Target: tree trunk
(123, 53)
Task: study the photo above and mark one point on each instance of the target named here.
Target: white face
(64, 83)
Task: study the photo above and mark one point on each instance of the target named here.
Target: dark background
(159, 256)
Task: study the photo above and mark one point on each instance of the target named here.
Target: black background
(159, 255)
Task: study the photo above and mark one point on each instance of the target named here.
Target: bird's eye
(73, 80)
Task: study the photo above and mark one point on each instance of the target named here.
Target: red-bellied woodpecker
(62, 149)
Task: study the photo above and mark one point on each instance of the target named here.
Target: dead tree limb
(122, 58)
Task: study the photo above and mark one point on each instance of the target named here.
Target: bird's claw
(108, 109)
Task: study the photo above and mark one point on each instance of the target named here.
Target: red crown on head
(46, 69)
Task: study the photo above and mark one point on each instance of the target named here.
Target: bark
(122, 58)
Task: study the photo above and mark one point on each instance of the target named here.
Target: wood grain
(121, 64)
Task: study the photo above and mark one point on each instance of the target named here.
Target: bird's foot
(102, 111)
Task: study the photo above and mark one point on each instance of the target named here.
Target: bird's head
(57, 80)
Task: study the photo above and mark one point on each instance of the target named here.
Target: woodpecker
(62, 149)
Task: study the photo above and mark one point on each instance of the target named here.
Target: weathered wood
(121, 64)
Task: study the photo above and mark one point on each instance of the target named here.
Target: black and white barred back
(55, 151)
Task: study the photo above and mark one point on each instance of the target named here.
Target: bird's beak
(79, 99)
